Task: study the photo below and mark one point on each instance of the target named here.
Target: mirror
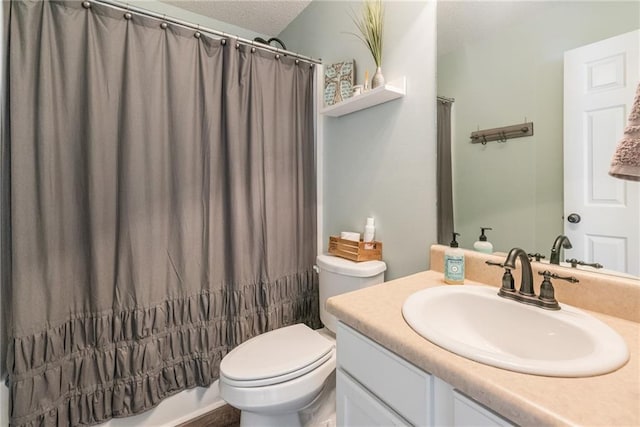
(502, 62)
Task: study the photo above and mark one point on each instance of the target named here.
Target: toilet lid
(279, 355)
(346, 267)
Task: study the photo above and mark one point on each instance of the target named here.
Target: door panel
(599, 84)
(604, 131)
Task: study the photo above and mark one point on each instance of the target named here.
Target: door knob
(574, 218)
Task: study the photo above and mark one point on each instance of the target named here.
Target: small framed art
(338, 81)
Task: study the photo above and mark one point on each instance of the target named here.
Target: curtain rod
(445, 99)
(175, 21)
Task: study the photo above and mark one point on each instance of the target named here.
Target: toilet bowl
(274, 376)
(271, 377)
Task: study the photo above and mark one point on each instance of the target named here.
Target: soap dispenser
(454, 263)
(482, 245)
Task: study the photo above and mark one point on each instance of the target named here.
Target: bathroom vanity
(387, 374)
(376, 387)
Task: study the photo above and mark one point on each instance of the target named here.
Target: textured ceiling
(459, 21)
(267, 17)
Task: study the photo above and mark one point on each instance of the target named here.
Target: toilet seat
(275, 357)
(280, 378)
(279, 398)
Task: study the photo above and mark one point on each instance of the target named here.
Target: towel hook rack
(502, 134)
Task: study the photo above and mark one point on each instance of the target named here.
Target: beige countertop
(605, 400)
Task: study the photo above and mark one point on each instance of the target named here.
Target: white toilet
(273, 377)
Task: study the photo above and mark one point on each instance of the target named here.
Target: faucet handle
(537, 256)
(547, 293)
(507, 277)
(570, 279)
(574, 262)
(495, 264)
(547, 296)
(593, 264)
(549, 275)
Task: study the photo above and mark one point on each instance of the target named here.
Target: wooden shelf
(390, 91)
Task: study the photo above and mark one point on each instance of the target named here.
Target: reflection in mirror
(503, 63)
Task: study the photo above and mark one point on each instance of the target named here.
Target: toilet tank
(338, 276)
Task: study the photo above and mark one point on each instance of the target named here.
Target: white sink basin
(474, 322)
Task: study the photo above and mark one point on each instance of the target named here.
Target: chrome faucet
(561, 241)
(526, 294)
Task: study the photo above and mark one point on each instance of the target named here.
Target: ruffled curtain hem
(95, 367)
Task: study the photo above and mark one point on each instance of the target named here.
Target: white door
(600, 80)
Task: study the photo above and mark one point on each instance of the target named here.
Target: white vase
(378, 79)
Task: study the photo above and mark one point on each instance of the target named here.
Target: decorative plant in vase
(370, 25)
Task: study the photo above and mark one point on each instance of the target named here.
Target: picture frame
(338, 81)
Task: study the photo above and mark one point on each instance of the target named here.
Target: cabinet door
(396, 382)
(468, 413)
(355, 406)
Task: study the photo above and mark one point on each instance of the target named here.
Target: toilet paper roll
(350, 235)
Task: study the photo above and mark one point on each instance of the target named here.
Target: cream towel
(626, 159)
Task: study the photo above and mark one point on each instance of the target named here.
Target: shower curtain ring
(197, 34)
(164, 25)
(128, 14)
(86, 4)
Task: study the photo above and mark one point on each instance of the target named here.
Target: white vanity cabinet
(398, 387)
(375, 387)
(468, 413)
(356, 406)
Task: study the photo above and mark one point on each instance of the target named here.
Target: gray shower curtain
(161, 208)
(444, 173)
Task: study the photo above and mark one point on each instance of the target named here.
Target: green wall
(380, 161)
(516, 187)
